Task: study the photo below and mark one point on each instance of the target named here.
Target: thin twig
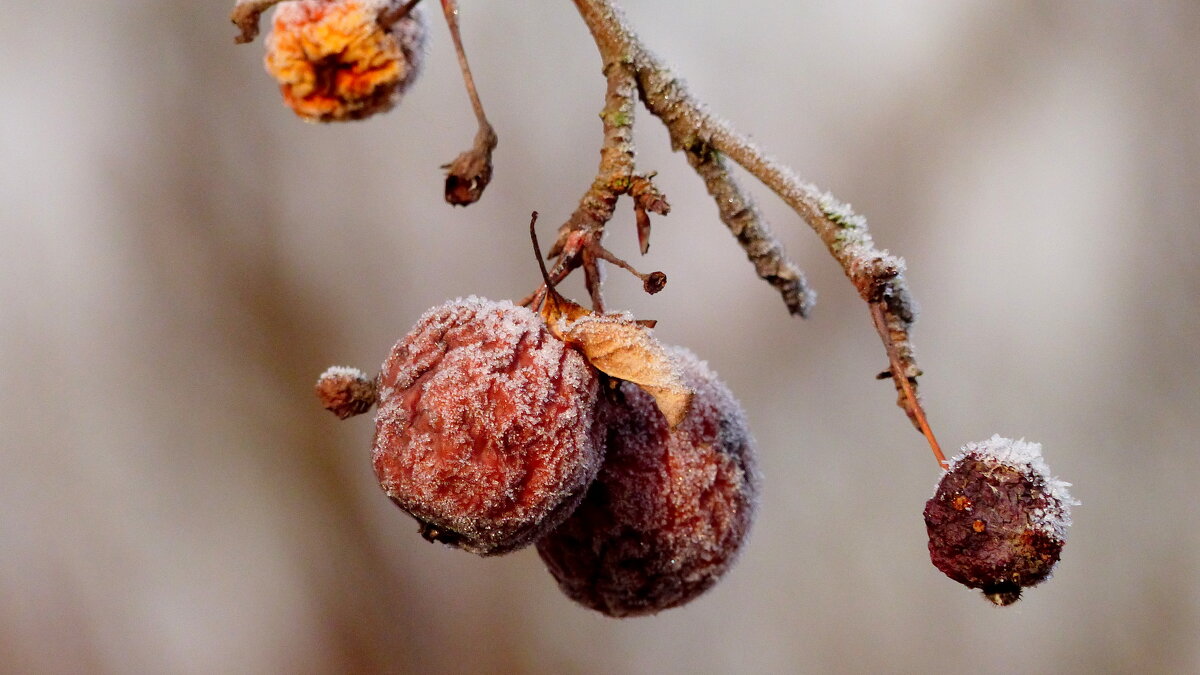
(450, 9)
(469, 174)
(908, 399)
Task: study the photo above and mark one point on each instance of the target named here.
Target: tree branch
(877, 275)
(615, 174)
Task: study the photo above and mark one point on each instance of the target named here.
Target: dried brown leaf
(621, 347)
(643, 228)
(559, 313)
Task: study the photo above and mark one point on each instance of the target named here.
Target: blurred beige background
(180, 257)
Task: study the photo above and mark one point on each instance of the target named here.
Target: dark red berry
(485, 431)
(670, 509)
(998, 520)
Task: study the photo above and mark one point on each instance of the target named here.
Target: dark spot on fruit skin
(434, 534)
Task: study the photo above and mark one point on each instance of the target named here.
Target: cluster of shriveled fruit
(628, 464)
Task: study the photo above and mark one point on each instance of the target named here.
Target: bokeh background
(180, 258)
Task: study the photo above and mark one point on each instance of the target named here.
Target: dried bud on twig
(469, 174)
(346, 392)
(654, 282)
(646, 199)
(999, 520)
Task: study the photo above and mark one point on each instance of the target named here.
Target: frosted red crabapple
(670, 509)
(485, 428)
(998, 520)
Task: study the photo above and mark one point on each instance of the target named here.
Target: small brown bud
(469, 174)
(346, 392)
(654, 282)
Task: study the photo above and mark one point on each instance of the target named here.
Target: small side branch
(740, 214)
(578, 242)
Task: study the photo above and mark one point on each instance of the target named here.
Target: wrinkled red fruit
(998, 520)
(669, 511)
(485, 427)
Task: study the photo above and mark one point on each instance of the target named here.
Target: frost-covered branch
(578, 241)
(740, 214)
(877, 275)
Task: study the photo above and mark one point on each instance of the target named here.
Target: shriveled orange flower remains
(334, 61)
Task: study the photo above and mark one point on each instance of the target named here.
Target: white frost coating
(342, 371)
(1027, 458)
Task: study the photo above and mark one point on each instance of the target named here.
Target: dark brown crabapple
(485, 429)
(670, 509)
(998, 521)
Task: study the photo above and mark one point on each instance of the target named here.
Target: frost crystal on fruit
(485, 427)
(335, 62)
(999, 520)
(670, 509)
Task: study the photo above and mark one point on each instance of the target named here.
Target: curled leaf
(646, 199)
(621, 347)
(643, 227)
